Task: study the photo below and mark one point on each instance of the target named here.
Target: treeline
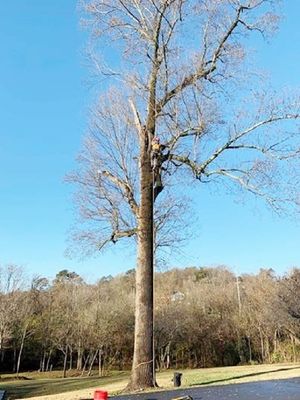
(203, 317)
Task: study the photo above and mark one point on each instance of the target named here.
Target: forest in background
(204, 317)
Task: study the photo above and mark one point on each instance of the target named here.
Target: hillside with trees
(203, 317)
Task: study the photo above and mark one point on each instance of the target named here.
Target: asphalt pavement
(284, 389)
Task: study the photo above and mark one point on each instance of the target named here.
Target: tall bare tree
(11, 282)
(181, 71)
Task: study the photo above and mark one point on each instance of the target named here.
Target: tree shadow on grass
(37, 387)
(243, 376)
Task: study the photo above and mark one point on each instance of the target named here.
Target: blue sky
(43, 104)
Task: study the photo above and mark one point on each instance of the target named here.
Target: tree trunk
(43, 361)
(79, 357)
(48, 361)
(92, 363)
(262, 345)
(250, 349)
(85, 363)
(100, 369)
(15, 358)
(275, 342)
(71, 359)
(21, 351)
(267, 350)
(2, 350)
(142, 375)
(65, 362)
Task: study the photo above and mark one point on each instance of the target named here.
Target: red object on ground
(100, 395)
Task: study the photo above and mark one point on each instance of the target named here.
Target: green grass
(39, 384)
(237, 374)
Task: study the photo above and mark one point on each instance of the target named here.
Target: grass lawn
(238, 374)
(39, 385)
(76, 388)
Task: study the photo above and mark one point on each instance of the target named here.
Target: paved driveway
(285, 389)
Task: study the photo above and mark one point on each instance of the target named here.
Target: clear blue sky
(43, 103)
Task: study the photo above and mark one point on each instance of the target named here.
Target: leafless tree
(182, 75)
(199, 320)
(11, 283)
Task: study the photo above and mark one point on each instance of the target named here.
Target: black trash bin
(177, 379)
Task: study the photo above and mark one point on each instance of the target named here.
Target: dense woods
(203, 317)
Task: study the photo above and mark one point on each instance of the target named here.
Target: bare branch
(206, 68)
(126, 188)
(116, 236)
(136, 116)
(229, 143)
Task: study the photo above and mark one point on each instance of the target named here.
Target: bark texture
(142, 370)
